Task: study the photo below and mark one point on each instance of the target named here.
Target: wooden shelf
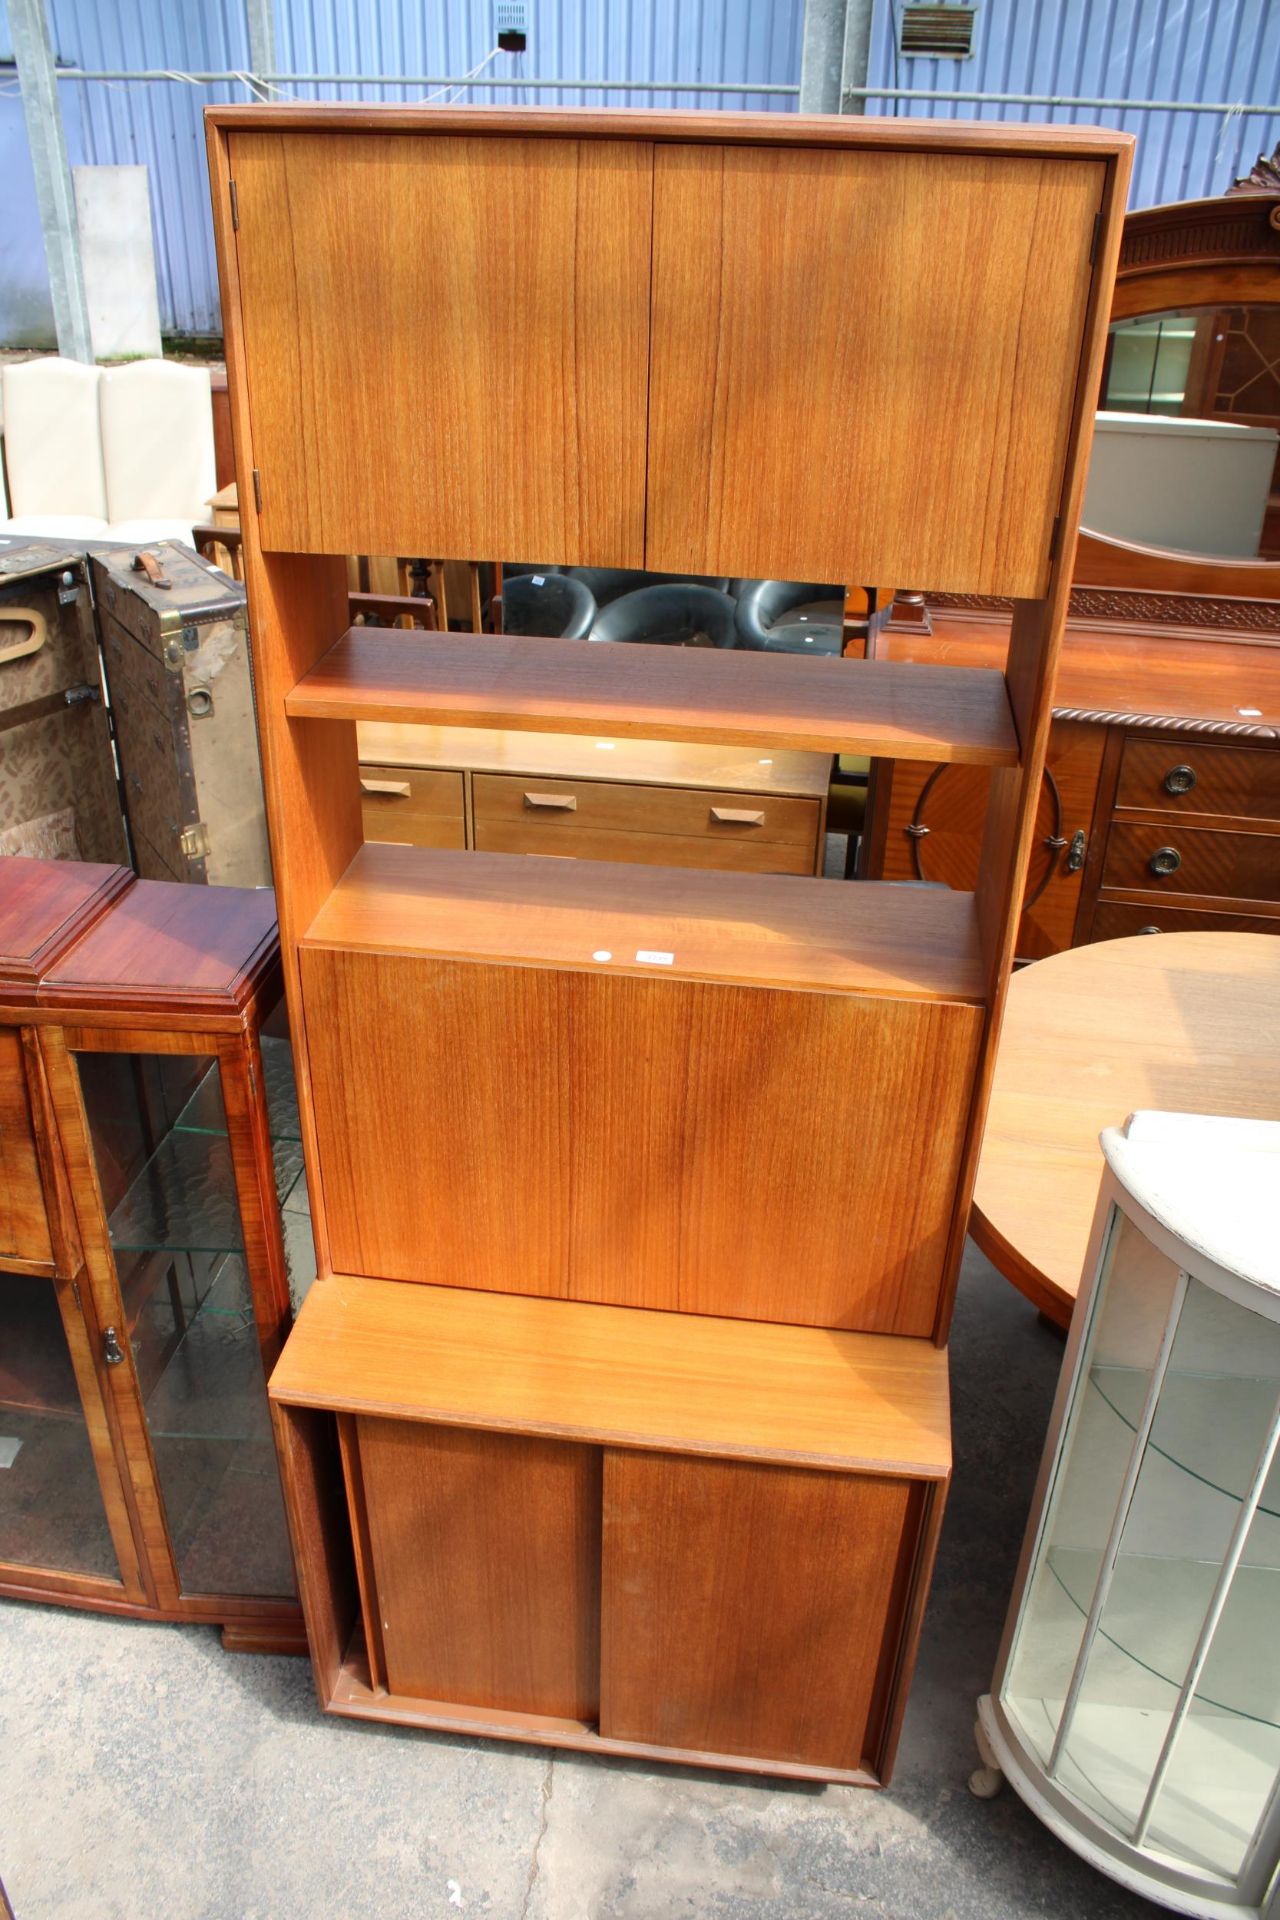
(620, 1376)
(758, 929)
(663, 693)
(575, 756)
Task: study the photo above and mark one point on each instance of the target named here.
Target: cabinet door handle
(399, 788)
(737, 817)
(1179, 779)
(553, 802)
(112, 1351)
(1165, 860)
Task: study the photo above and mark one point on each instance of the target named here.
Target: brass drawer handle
(399, 788)
(553, 802)
(737, 817)
(1179, 779)
(1165, 860)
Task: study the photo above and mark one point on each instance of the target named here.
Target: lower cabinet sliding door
(692, 1608)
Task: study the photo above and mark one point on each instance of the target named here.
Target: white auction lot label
(648, 959)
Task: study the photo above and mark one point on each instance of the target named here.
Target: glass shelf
(1153, 1613)
(1189, 1424)
(184, 1200)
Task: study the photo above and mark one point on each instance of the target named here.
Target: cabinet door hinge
(253, 1081)
(75, 1294)
(257, 490)
(235, 207)
(1097, 234)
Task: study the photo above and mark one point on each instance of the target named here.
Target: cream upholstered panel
(157, 443)
(52, 439)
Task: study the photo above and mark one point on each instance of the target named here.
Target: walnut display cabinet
(147, 1133)
(618, 1416)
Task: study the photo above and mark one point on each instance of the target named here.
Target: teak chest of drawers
(617, 1417)
(654, 802)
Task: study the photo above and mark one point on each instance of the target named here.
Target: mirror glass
(1188, 436)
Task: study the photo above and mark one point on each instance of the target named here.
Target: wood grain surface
(713, 695)
(620, 1376)
(827, 935)
(950, 802)
(45, 906)
(1223, 783)
(486, 1557)
(571, 756)
(646, 1142)
(413, 806)
(474, 314)
(796, 432)
(747, 1608)
(192, 950)
(1189, 1022)
(763, 129)
(1214, 864)
(1117, 919)
(24, 1225)
(1118, 673)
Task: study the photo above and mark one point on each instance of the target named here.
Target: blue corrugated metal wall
(638, 40)
(1118, 49)
(1160, 49)
(156, 125)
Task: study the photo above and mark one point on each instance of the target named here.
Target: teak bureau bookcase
(651, 1459)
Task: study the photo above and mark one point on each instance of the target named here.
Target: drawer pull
(401, 789)
(1152, 929)
(1179, 779)
(552, 802)
(737, 817)
(1165, 860)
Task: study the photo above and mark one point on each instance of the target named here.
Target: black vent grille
(938, 31)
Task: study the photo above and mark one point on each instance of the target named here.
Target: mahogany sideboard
(147, 1131)
(1160, 807)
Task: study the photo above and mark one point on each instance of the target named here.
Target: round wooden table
(1187, 1022)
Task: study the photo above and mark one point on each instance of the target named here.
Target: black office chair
(680, 614)
(547, 606)
(763, 607)
(610, 583)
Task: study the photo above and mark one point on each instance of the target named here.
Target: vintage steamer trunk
(58, 789)
(181, 690)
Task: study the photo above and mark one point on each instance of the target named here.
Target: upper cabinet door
(863, 363)
(446, 343)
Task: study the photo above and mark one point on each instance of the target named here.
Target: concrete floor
(147, 1775)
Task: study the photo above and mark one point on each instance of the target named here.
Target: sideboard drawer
(666, 826)
(1116, 919)
(416, 806)
(1172, 858)
(1200, 777)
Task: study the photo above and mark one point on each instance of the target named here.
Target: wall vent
(937, 32)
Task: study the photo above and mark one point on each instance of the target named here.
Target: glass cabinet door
(52, 1514)
(1145, 1672)
(162, 1147)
